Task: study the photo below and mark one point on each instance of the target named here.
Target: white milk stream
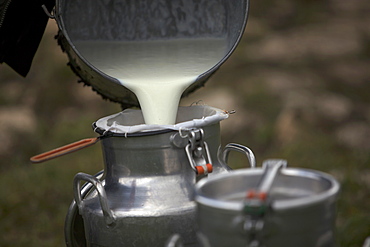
(157, 72)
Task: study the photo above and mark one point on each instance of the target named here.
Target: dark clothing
(22, 24)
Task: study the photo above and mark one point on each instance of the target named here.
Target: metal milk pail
(272, 206)
(142, 21)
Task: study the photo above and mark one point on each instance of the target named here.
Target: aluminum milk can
(145, 194)
(272, 206)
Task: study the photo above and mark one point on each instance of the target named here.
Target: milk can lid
(292, 188)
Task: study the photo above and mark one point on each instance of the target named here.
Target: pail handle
(270, 170)
(67, 149)
(239, 148)
(107, 212)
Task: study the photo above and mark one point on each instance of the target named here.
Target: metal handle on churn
(107, 212)
(239, 148)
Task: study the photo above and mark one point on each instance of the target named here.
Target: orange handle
(75, 146)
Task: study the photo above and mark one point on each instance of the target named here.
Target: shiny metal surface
(149, 191)
(143, 20)
(146, 193)
(74, 230)
(300, 209)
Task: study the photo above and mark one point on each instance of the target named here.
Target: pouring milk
(157, 72)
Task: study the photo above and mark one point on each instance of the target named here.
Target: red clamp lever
(204, 170)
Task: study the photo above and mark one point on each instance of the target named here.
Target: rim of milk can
(189, 117)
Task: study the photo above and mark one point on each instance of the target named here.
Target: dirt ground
(299, 82)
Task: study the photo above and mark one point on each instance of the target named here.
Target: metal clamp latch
(257, 202)
(198, 153)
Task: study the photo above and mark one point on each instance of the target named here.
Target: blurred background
(298, 81)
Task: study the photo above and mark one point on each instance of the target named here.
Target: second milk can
(272, 206)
